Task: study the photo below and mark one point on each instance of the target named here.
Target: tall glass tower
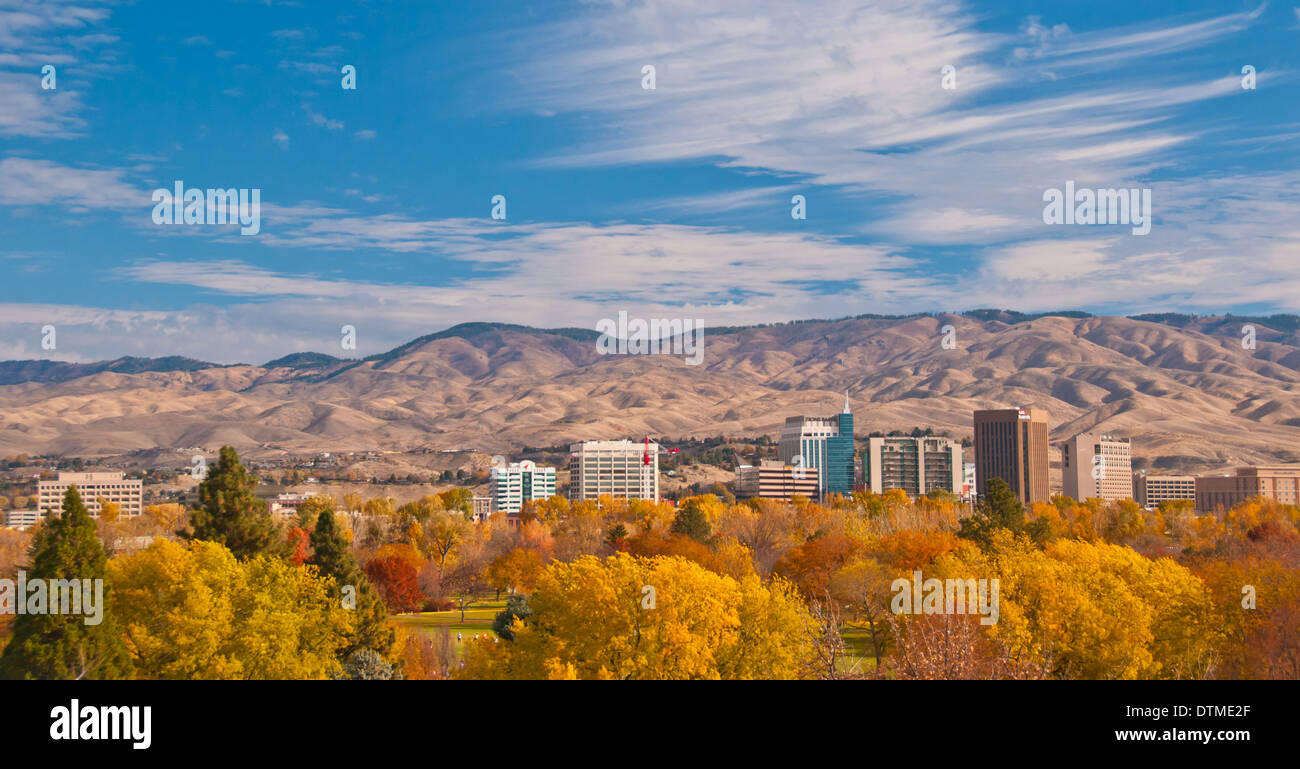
(825, 443)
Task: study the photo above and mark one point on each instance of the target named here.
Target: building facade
(1275, 482)
(21, 519)
(773, 479)
(109, 486)
(824, 443)
(518, 482)
(1011, 444)
(1098, 466)
(617, 468)
(915, 465)
(1151, 490)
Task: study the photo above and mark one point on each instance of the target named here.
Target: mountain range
(1186, 389)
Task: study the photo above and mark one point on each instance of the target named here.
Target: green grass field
(858, 656)
(478, 620)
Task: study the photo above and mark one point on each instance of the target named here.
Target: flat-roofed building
(518, 482)
(108, 486)
(918, 466)
(1280, 483)
(617, 468)
(286, 505)
(1151, 490)
(1097, 466)
(774, 479)
(22, 519)
(1011, 444)
(824, 443)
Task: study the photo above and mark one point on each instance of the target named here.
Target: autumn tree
(311, 507)
(810, 565)
(197, 612)
(458, 499)
(108, 511)
(443, 533)
(464, 581)
(516, 570)
(866, 587)
(396, 580)
(650, 618)
(50, 644)
(229, 512)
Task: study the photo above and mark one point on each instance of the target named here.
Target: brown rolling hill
(1182, 387)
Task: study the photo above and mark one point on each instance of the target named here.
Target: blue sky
(672, 202)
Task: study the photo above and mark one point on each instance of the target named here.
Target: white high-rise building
(518, 482)
(111, 487)
(617, 468)
(1097, 466)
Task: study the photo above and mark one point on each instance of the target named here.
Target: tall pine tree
(331, 557)
(229, 512)
(1000, 508)
(52, 645)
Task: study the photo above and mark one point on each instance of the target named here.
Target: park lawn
(858, 656)
(478, 621)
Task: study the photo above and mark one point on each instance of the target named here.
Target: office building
(1151, 490)
(824, 443)
(21, 519)
(773, 479)
(617, 468)
(518, 482)
(915, 465)
(1275, 482)
(108, 486)
(1011, 444)
(1098, 466)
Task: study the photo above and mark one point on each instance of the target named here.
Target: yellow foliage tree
(197, 612)
(650, 618)
(1092, 610)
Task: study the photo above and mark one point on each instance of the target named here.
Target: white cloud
(318, 119)
(26, 181)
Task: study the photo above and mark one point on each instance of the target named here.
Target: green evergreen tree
(690, 520)
(331, 557)
(228, 512)
(516, 606)
(1000, 508)
(54, 645)
(366, 665)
